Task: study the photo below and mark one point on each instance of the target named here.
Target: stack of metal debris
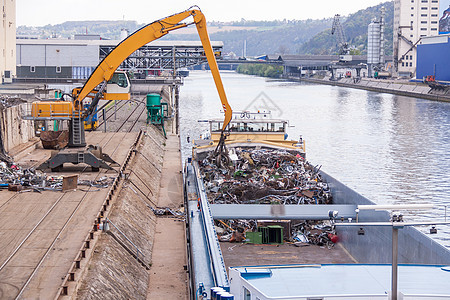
(8, 101)
(262, 176)
(16, 178)
(321, 233)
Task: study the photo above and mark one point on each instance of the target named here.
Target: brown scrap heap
(265, 176)
(16, 178)
(262, 176)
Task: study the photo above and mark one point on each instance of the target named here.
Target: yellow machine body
(90, 126)
(51, 109)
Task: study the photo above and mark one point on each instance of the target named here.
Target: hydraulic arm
(146, 34)
(105, 71)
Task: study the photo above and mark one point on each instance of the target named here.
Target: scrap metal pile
(8, 101)
(261, 176)
(16, 178)
(265, 177)
(321, 233)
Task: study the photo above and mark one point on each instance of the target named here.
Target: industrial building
(8, 41)
(433, 57)
(413, 20)
(56, 58)
(78, 58)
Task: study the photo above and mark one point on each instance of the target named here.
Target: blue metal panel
(215, 253)
(208, 268)
(200, 273)
(433, 58)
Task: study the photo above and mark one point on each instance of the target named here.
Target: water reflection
(391, 149)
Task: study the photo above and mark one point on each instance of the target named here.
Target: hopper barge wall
(375, 246)
(206, 261)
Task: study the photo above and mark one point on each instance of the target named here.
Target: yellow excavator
(96, 87)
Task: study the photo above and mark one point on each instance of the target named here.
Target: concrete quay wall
(401, 88)
(15, 130)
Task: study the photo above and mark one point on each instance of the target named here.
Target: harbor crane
(96, 87)
(344, 47)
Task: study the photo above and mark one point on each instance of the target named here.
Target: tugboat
(249, 130)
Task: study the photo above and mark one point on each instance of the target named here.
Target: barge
(368, 246)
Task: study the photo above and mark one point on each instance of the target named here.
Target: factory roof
(363, 280)
(435, 39)
(111, 42)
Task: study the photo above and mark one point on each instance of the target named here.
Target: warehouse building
(413, 20)
(56, 58)
(433, 57)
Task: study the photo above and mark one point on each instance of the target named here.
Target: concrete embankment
(404, 88)
(153, 180)
(114, 272)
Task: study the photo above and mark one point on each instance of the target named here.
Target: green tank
(153, 99)
(153, 107)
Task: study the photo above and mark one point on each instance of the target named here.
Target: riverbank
(404, 88)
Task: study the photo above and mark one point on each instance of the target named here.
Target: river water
(391, 149)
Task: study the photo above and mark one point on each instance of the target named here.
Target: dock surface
(41, 233)
(168, 278)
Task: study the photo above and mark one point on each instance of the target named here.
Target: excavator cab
(118, 87)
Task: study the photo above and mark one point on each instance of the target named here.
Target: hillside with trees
(355, 28)
(106, 29)
(261, 37)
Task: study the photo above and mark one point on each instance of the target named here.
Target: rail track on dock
(37, 232)
(120, 110)
(47, 217)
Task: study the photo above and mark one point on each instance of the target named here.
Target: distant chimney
(382, 24)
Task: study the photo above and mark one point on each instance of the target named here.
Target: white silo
(123, 34)
(373, 43)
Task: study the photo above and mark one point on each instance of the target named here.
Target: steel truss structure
(157, 57)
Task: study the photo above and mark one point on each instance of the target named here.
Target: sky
(43, 12)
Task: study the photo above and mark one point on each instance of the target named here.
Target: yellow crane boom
(146, 34)
(105, 71)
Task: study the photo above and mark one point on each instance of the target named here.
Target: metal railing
(134, 250)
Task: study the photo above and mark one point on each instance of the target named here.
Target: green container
(264, 234)
(253, 237)
(153, 99)
(275, 234)
(154, 109)
(271, 234)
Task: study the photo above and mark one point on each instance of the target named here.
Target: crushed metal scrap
(301, 233)
(265, 177)
(167, 211)
(8, 101)
(16, 178)
(262, 176)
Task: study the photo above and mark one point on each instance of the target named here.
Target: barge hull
(414, 246)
